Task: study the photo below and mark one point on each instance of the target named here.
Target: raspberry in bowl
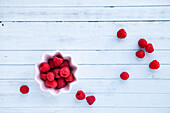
(56, 73)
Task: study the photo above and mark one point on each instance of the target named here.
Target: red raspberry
(90, 99)
(121, 33)
(48, 83)
(61, 83)
(64, 72)
(140, 54)
(43, 76)
(70, 78)
(65, 64)
(56, 73)
(80, 95)
(51, 63)
(52, 84)
(142, 43)
(44, 67)
(124, 75)
(50, 76)
(149, 48)
(57, 61)
(154, 64)
(24, 89)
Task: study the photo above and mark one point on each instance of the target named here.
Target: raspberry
(57, 61)
(121, 33)
(124, 75)
(61, 83)
(24, 89)
(64, 72)
(80, 95)
(70, 78)
(142, 43)
(43, 76)
(44, 67)
(154, 64)
(56, 73)
(50, 62)
(90, 99)
(50, 76)
(140, 54)
(52, 84)
(149, 48)
(65, 64)
(48, 83)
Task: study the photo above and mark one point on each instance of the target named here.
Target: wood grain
(84, 14)
(82, 35)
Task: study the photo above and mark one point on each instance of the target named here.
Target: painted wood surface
(87, 31)
(81, 35)
(84, 14)
(82, 2)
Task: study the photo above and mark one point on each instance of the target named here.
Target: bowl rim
(45, 58)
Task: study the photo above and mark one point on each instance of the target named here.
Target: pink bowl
(53, 91)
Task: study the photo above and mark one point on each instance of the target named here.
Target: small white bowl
(53, 91)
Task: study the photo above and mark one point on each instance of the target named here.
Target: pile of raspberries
(56, 73)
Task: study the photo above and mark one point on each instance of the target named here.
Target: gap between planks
(79, 50)
(112, 6)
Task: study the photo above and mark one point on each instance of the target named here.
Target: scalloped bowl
(73, 67)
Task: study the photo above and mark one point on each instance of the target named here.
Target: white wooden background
(86, 29)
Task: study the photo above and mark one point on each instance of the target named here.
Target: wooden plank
(85, 110)
(84, 14)
(87, 57)
(161, 75)
(94, 86)
(87, 71)
(69, 100)
(82, 35)
(82, 3)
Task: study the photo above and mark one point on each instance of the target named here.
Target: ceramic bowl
(73, 68)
